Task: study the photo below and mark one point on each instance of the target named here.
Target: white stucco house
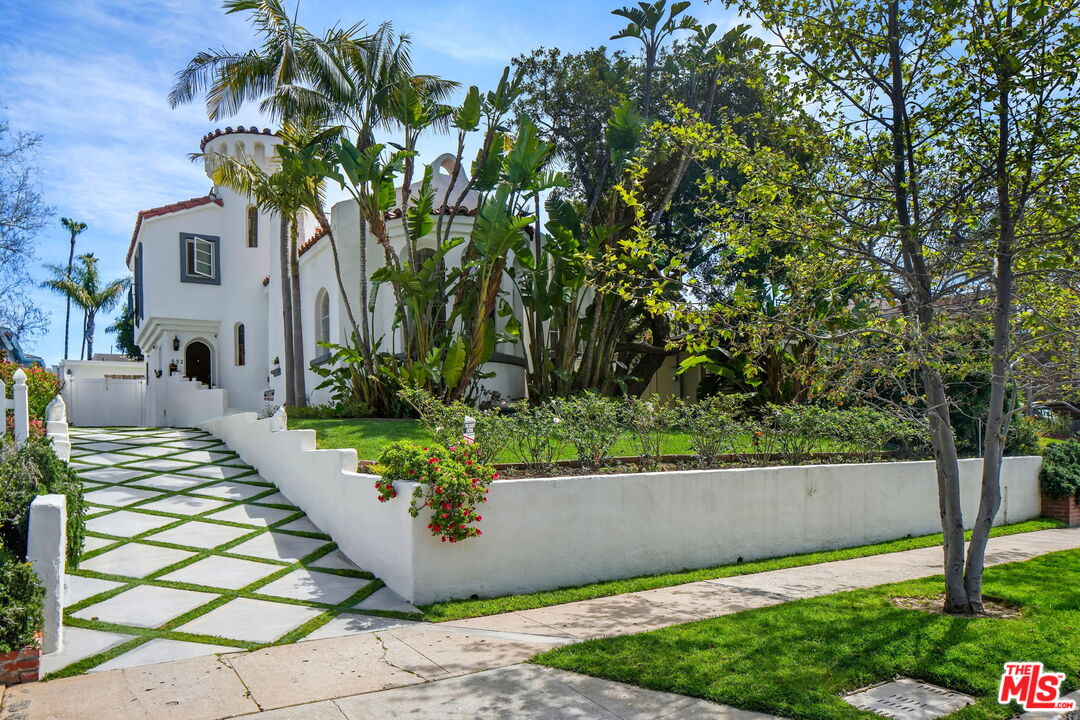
(207, 292)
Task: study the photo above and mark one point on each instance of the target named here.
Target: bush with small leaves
(538, 436)
(713, 428)
(494, 433)
(21, 600)
(651, 422)
(29, 471)
(1060, 474)
(592, 424)
(444, 421)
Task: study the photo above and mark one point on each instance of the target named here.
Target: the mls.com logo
(1027, 684)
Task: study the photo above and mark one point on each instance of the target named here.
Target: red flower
(479, 518)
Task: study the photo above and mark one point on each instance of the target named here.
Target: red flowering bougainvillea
(452, 482)
(41, 385)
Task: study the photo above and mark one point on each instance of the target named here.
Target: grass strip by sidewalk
(461, 609)
(798, 658)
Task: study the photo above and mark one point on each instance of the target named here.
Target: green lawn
(370, 435)
(459, 609)
(795, 659)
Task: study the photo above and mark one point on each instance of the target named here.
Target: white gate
(98, 402)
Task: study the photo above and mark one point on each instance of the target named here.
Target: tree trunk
(324, 222)
(948, 477)
(300, 366)
(286, 312)
(67, 309)
(996, 426)
(918, 277)
(365, 314)
(89, 335)
(82, 345)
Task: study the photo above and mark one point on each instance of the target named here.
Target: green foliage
(341, 409)
(85, 289)
(592, 424)
(29, 471)
(1060, 474)
(494, 433)
(714, 427)
(538, 436)
(124, 327)
(445, 422)
(453, 483)
(652, 421)
(1022, 437)
(21, 600)
(41, 386)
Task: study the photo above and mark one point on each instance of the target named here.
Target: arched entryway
(197, 362)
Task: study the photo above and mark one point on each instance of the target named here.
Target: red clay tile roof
(230, 131)
(319, 234)
(165, 210)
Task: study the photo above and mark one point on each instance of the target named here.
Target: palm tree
(282, 193)
(647, 23)
(82, 286)
(298, 78)
(75, 228)
(280, 75)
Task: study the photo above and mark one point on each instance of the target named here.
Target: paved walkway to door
(190, 552)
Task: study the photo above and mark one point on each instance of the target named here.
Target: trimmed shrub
(29, 471)
(592, 424)
(21, 600)
(1060, 474)
(328, 411)
(538, 436)
(444, 421)
(651, 422)
(1023, 437)
(713, 427)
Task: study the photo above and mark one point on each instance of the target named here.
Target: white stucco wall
(210, 312)
(188, 403)
(97, 369)
(545, 533)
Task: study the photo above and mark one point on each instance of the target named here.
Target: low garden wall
(550, 532)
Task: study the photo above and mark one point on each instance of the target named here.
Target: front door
(197, 362)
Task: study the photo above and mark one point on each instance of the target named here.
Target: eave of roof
(165, 210)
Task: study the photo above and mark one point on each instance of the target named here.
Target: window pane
(204, 258)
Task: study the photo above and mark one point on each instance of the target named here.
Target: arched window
(253, 226)
(241, 345)
(322, 317)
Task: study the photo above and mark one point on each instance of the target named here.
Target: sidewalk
(470, 668)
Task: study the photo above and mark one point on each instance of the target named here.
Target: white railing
(20, 403)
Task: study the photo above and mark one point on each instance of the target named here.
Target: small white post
(56, 427)
(47, 552)
(469, 431)
(22, 408)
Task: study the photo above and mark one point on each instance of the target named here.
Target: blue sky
(92, 77)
